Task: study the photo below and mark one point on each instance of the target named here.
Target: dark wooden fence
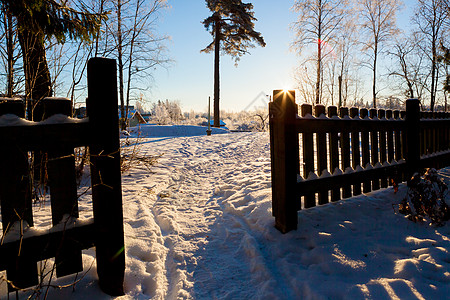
(346, 152)
(20, 254)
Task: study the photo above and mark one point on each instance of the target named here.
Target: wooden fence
(20, 254)
(346, 152)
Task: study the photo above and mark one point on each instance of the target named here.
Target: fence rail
(328, 154)
(54, 144)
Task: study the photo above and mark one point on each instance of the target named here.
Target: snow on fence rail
(20, 252)
(342, 151)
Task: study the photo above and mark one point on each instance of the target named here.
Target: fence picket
(334, 153)
(356, 154)
(365, 155)
(308, 156)
(383, 147)
(386, 135)
(63, 190)
(345, 152)
(374, 148)
(322, 159)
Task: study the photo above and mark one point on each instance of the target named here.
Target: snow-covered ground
(200, 226)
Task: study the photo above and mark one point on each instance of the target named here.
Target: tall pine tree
(38, 20)
(232, 27)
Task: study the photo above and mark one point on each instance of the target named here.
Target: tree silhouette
(232, 27)
(38, 20)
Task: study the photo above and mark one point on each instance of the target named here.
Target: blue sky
(190, 78)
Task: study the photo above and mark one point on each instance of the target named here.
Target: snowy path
(209, 234)
(189, 214)
(200, 226)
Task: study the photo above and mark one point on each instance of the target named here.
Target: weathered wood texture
(370, 148)
(54, 144)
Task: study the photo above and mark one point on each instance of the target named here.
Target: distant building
(146, 117)
(133, 118)
(221, 123)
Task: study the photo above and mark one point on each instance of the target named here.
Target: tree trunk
(123, 112)
(217, 75)
(10, 53)
(37, 75)
(374, 91)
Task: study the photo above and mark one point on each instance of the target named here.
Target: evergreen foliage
(232, 23)
(40, 20)
(232, 27)
(445, 58)
(53, 18)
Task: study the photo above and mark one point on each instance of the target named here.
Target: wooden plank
(45, 246)
(308, 154)
(64, 202)
(48, 136)
(322, 158)
(413, 124)
(15, 107)
(383, 147)
(63, 189)
(356, 153)
(311, 186)
(345, 152)
(307, 125)
(397, 138)
(333, 142)
(105, 173)
(16, 207)
(365, 149)
(390, 139)
(374, 148)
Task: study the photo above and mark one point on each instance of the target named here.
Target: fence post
(285, 159)
(105, 173)
(62, 182)
(15, 200)
(412, 136)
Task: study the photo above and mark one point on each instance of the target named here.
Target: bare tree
(431, 18)
(317, 24)
(408, 67)
(130, 36)
(9, 52)
(378, 21)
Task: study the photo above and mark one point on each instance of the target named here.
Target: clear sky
(190, 78)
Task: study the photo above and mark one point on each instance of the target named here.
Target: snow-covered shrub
(166, 112)
(426, 199)
(132, 154)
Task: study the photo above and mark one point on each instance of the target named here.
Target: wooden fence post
(105, 173)
(285, 159)
(63, 190)
(15, 199)
(12, 106)
(412, 136)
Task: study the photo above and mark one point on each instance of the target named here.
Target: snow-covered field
(200, 226)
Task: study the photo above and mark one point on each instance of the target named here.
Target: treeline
(67, 35)
(343, 42)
